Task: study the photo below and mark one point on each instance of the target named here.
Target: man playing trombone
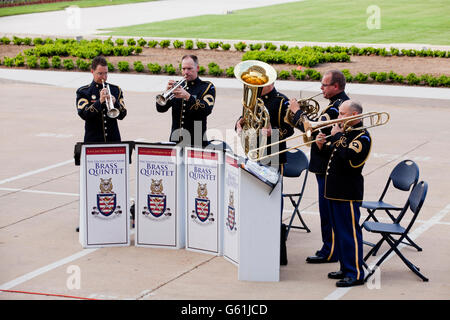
(191, 102)
(100, 105)
(332, 86)
(347, 148)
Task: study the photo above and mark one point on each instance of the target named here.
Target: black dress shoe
(318, 259)
(336, 275)
(349, 282)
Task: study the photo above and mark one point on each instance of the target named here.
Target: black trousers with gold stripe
(348, 236)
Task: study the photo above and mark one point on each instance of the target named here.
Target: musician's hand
(170, 84)
(320, 140)
(103, 95)
(239, 124)
(336, 128)
(267, 131)
(293, 105)
(181, 93)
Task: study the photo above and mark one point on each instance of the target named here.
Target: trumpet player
(191, 104)
(347, 152)
(93, 103)
(333, 88)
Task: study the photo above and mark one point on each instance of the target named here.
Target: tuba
(309, 107)
(254, 75)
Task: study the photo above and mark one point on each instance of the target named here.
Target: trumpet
(112, 112)
(375, 118)
(308, 106)
(167, 95)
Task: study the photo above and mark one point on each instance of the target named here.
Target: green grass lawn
(402, 21)
(33, 8)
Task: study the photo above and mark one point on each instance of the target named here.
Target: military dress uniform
(317, 165)
(185, 113)
(344, 190)
(277, 105)
(98, 126)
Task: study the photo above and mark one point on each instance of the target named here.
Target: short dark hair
(337, 77)
(193, 57)
(98, 60)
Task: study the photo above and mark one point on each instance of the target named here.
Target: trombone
(111, 112)
(375, 118)
(167, 95)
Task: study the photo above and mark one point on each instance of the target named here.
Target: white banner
(202, 200)
(156, 201)
(104, 213)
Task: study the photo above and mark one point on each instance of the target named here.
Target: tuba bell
(254, 75)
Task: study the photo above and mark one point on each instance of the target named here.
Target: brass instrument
(167, 95)
(375, 118)
(111, 112)
(308, 106)
(254, 75)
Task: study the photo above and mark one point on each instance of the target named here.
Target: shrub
(299, 75)
(152, 43)
(255, 47)
(111, 67)
(131, 42)
(213, 45)
(56, 62)
(169, 68)
(177, 44)
(68, 64)
(200, 44)
(284, 47)
(19, 60)
(5, 40)
(361, 77)
(347, 75)
(214, 69)
(189, 44)
(164, 43)
(412, 79)
(138, 50)
(43, 62)
(32, 62)
(27, 41)
(138, 66)
(83, 64)
(284, 74)
(230, 72)
(9, 62)
(123, 66)
(373, 75)
(142, 42)
(381, 77)
(201, 70)
(270, 46)
(240, 46)
(17, 41)
(225, 46)
(154, 68)
(119, 42)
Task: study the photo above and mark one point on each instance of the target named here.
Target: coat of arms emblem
(106, 199)
(156, 201)
(231, 217)
(202, 205)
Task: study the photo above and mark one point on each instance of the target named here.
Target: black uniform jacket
(347, 153)
(98, 126)
(186, 112)
(318, 162)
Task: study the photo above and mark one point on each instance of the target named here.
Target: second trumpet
(167, 95)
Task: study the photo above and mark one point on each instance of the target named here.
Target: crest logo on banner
(203, 214)
(156, 208)
(106, 200)
(231, 217)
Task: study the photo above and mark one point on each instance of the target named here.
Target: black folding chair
(296, 164)
(389, 231)
(404, 176)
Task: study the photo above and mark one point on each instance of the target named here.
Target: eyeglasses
(326, 85)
